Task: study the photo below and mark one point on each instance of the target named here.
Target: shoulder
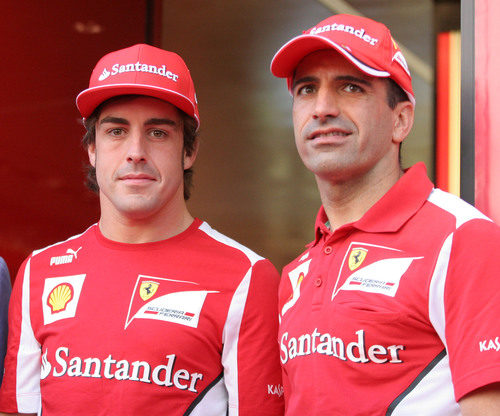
(232, 261)
(471, 226)
(227, 244)
(457, 208)
(470, 235)
(60, 252)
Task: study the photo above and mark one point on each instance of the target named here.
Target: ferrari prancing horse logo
(148, 289)
(356, 257)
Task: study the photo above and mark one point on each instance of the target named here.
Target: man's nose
(136, 150)
(326, 105)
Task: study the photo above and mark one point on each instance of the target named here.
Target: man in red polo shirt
(150, 311)
(393, 307)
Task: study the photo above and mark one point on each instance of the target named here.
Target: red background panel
(48, 52)
(487, 103)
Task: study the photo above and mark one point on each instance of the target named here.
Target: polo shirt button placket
(319, 282)
(318, 293)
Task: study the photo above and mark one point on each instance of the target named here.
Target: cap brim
(291, 53)
(88, 100)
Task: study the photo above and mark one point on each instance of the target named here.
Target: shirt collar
(391, 211)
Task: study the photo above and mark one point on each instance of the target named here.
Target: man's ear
(189, 159)
(404, 113)
(91, 153)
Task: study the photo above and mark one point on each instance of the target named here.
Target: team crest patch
(356, 258)
(382, 276)
(380, 273)
(167, 300)
(60, 297)
(148, 289)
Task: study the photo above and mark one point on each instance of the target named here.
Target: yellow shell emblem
(59, 297)
(356, 257)
(148, 289)
(297, 286)
(396, 47)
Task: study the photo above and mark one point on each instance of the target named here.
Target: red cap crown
(143, 70)
(366, 43)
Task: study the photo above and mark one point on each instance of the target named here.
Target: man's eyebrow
(115, 120)
(155, 121)
(303, 80)
(352, 78)
(148, 122)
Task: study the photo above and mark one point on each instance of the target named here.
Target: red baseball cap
(143, 70)
(366, 43)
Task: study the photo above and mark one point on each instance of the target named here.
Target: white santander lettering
(61, 362)
(140, 371)
(139, 67)
(326, 344)
(360, 33)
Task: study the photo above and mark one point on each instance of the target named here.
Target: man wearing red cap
(150, 311)
(393, 307)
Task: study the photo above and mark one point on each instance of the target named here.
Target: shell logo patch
(296, 277)
(59, 297)
(148, 289)
(356, 257)
(394, 43)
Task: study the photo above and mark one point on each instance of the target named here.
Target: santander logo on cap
(140, 70)
(360, 33)
(138, 67)
(104, 75)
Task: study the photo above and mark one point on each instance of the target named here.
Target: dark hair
(189, 134)
(395, 94)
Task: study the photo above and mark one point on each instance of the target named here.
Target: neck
(347, 201)
(134, 229)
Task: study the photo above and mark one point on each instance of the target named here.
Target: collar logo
(356, 258)
(148, 289)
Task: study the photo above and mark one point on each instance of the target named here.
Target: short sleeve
(472, 306)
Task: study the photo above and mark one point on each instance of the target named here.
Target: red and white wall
(487, 93)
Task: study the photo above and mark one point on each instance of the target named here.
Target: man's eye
(353, 88)
(305, 90)
(158, 134)
(115, 131)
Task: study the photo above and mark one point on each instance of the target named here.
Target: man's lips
(137, 177)
(328, 133)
